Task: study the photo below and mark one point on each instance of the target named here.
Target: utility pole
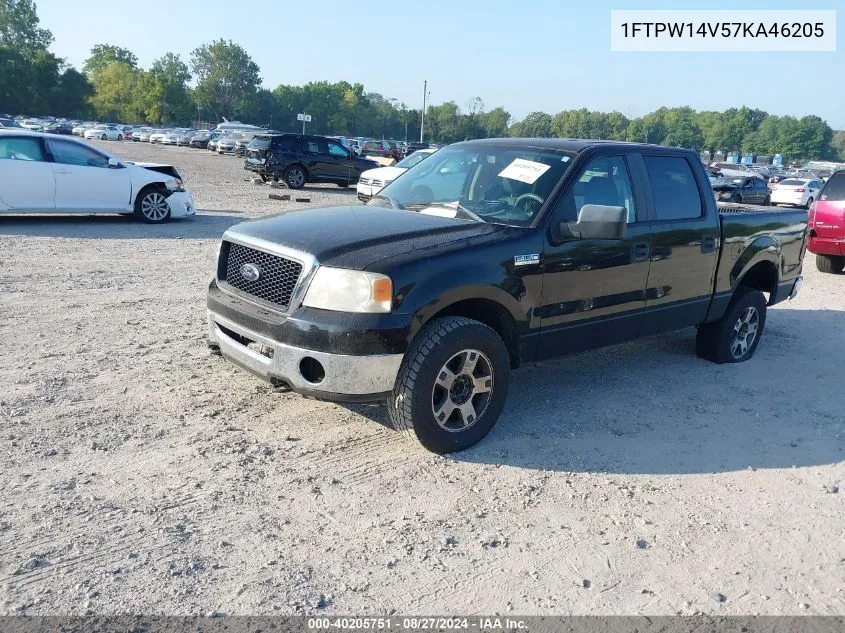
(422, 117)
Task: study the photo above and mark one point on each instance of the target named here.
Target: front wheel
(767, 201)
(295, 177)
(734, 337)
(104, 138)
(119, 137)
(151, 206)
(452, 385)
(830, 264)
(737, 199)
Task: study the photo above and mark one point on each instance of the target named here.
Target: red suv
(827, 226)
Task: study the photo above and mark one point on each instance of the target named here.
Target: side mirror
(595, 222)
(114, 163)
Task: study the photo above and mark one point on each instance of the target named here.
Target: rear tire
(151, 206)
(736, 199)
(767, 201)
(104, 138)
(452, 385)
(830, 264)
(119, 137)
(295, 177)
(809, 203)
(734, 337)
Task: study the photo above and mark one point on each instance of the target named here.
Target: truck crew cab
(490, 254)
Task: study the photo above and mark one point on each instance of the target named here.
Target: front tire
(767, 201)
(830, 264)
(119, 137)
(151, 206)
(734, 337)
(452, 385)
(736, 199)
(104, 138)
(295, 177)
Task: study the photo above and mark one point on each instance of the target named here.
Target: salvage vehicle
(487, 255)
(299, 159)
(43, 173)
(374, 180)
(742, 190)
(827, 226)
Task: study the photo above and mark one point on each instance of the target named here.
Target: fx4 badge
(525, 260)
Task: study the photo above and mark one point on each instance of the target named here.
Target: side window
(673, 187)
(20, 148)
(284, 143)
(834, 189)
(605, 181)
(315, 146)
(338, 150)
(69, 153)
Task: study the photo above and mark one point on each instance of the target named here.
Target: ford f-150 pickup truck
(490, 254)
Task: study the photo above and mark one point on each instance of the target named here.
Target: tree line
(220, 79)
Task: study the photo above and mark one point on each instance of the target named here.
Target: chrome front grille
(277, 276)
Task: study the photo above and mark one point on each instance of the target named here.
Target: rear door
(26, 175)
(684, 242)
(827, 220)
(84, 179)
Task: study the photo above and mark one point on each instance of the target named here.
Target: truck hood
(359, 236)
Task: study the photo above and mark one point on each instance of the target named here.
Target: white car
(44, 173)
(798, 192)
(374, 180)
(158, 135)
(104, 133)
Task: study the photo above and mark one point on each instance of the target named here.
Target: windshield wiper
(393, 203)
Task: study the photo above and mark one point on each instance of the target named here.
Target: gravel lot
(141, 475)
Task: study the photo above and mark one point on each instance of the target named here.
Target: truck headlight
(344, 290)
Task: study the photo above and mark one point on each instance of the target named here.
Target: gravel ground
(141, 475)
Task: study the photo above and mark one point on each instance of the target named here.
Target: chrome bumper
(344, 375)
(796, 287)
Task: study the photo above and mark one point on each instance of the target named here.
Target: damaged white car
(45, 173)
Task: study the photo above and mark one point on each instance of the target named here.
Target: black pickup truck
(490, 254)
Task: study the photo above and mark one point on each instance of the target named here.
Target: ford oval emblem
(250, 272)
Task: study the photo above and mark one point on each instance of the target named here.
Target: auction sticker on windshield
(526, 171)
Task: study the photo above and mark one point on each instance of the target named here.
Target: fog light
(312, 370)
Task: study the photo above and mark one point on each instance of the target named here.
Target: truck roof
(567, 144)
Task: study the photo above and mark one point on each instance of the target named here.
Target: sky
(547, 55)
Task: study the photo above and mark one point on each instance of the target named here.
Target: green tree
(226, 77)
(838, 144)
(173, 76)
(682, 129)
(19, 28)
(114, 93)
(535, 124)
(495, 123)
(103, 55)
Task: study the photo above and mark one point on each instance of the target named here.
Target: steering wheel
(537, 200)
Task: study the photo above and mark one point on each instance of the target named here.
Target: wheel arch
(146, 188)
(484, 309)
(758, 267)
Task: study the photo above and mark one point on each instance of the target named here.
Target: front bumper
(181, 204)
(365, 192)
(330, 376)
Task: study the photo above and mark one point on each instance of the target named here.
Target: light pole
(422, 114)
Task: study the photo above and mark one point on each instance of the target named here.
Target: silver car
(226, 144)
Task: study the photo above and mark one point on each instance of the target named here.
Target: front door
(26, 175)
(85, 181)
(589, 284)
(341, 163)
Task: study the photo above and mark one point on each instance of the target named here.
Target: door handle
(708, 244)
(61, 171)
(640, 251)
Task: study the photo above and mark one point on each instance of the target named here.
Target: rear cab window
(674, 188)
(834, 189)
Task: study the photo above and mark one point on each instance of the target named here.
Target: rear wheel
(119, 137)
(734, 337)
(736, 198)
(295, 177)
(104, 138)
(451, 386)
(830, 264)
(767, 201)
(809, 203)
(151, 206)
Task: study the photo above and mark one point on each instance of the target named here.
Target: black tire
(148, 206)
(343, 185)
(767, 201)
(104, 138)
(295, 177)
(412, 404)
(830, 264)
(715, 341)
(809, 203)
(119, 137)
(736, 199)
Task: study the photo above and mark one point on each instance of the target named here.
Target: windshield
(489, 183)
(413, 159)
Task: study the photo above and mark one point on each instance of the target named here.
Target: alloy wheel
(744, 332)
(462, 390)
(154, 207)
